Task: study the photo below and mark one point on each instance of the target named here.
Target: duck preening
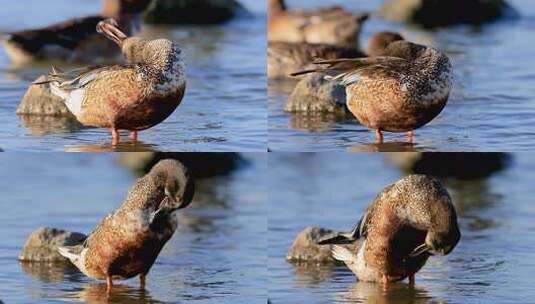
(408, 222)
(330, 25)
(127, 242)
(403, 88)
(75, 40)
(133, 96)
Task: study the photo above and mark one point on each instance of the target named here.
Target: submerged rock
(458, 165)
(42, 245)
(192, 11)
(39, 100)
(316, 94)
(435, 13)
(306, 249)
(200, 164)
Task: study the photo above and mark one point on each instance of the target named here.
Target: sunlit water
(491, 108)
(217, 255)
(224, 108)
(493, 263)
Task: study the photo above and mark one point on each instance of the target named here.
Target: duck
(401, 90)
(408, 222)
(285, 58)
(329, 25)
(75, 40)
(134, 96)
(127, 242)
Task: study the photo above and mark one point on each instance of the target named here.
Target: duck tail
(336, 68)
(342, 254)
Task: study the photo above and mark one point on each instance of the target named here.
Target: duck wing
(358, 231)
(347, 70)
(66, 34)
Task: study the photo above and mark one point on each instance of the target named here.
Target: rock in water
(43, 243)
(306, 249)
(435, 13)
(39, 100)
(315, 94)
(192, 11)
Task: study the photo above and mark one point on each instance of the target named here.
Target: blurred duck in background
(75, 40)
(330, 25)
(285, 58)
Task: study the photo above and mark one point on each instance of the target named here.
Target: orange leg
(385, 281)
(109, 283)
(411, 280)
(142, 281)
(410, 136)
(133, 136)
(115, 137)
(378, 136)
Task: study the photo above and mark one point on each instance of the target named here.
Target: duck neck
(276, 6)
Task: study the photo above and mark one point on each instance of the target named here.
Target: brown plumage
(399, 91)
(133, 96)
(331, 25)
(407, 222)
(285, 58)
(127, 242)
(75, 40)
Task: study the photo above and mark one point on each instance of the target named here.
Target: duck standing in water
(407, 223)
(127, 242)
(400, 90)
(75, 40)
(133, 96)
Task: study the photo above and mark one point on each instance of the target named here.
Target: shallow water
(217, 254)
(491, 108)
(493, 263)
(224, 108)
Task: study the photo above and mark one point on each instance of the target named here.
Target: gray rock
(39, 100)
(306, 249)
(43, 243)
(192, 11)
(316, 94)
(446, 12)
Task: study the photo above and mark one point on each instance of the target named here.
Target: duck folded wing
(360, 230)
(349, 70)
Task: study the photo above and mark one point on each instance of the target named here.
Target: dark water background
(491, 108)
(225, 104)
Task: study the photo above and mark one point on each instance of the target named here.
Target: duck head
(443, 237)
(379, 42)
(177, 184)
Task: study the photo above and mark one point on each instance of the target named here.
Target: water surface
(491, 107)
(493, 262)
(217, 255)
(224, 108)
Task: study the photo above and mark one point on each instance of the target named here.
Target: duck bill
(424, 248)
(110, 29)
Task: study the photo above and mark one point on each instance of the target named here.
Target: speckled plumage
(75, 40)
(406, 223)
(331, 25)
(133, 96)
(127, 242)
(400, 91)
